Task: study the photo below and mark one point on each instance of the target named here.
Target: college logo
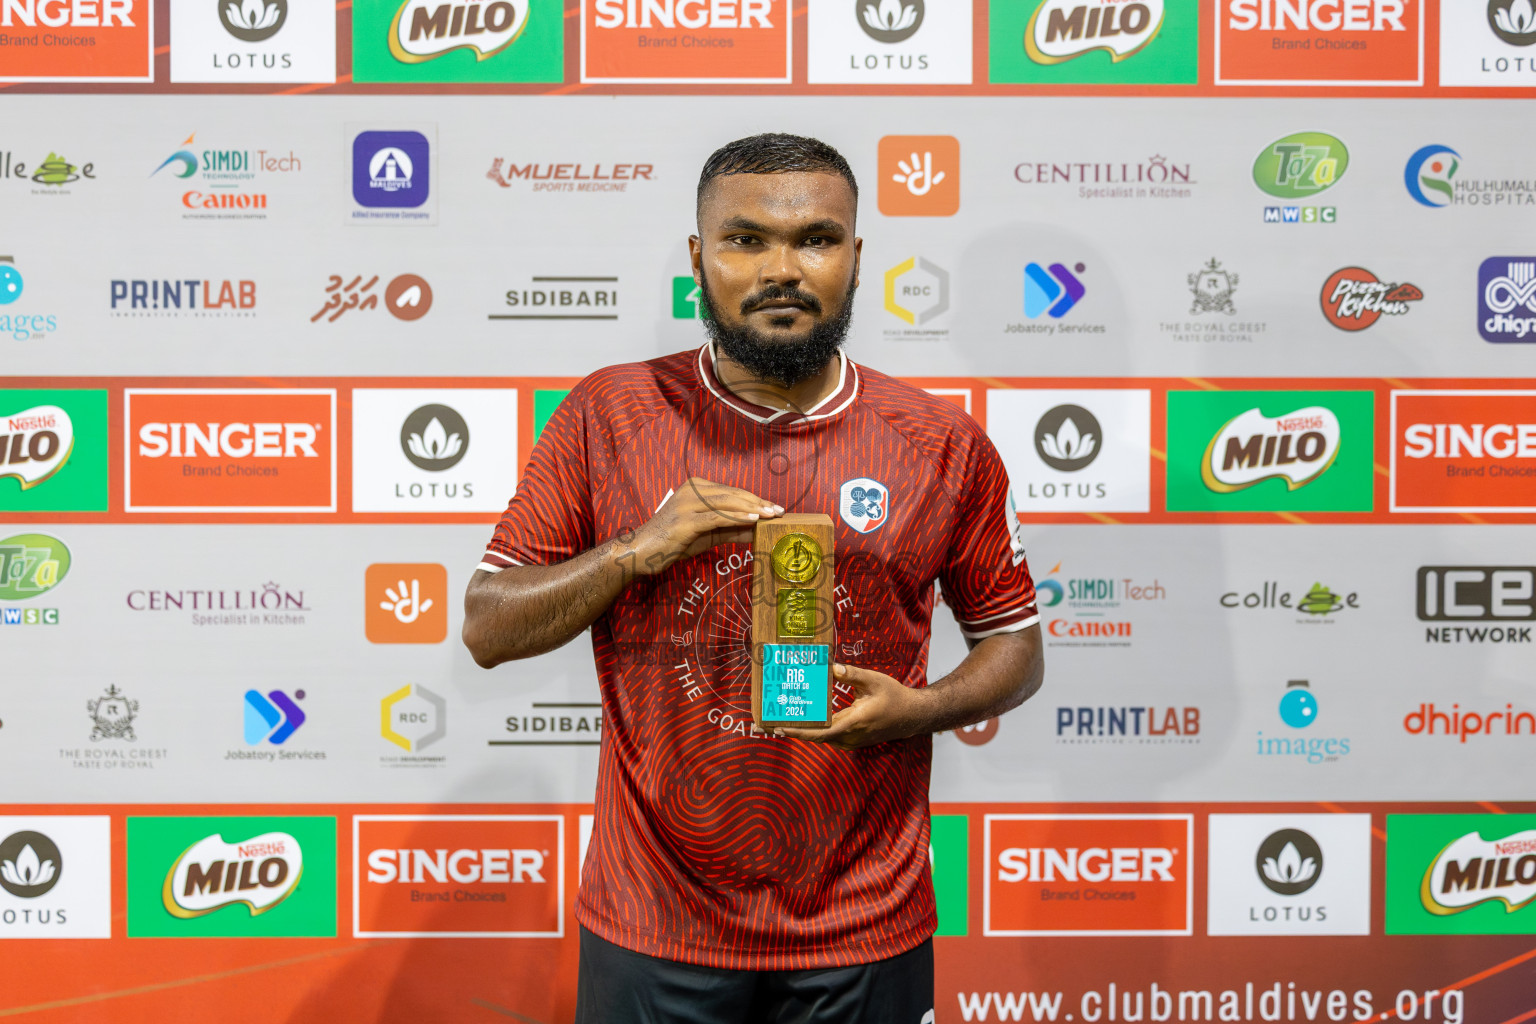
(442, 41)
(1354, 298)
(1051, 291)
(231, 877)
(1289, 874)
(31, 564)
(889, 41)
(917, 292)
(53, 175)
(433, 450)
(414, 718)
(273, 717)
(20, 326)
(1463, 451)
(79, 42)
(406, 604)
(55, 877)
(1506, 298)
(864, 504)
(236, 450)
(1298, 711)
(112, 716)
(685, 41)
(1428, 175)
(919, 175)
(1074, 451)
(1461, 874)
(1071, 874)
(480, 876)
(1274, 42)
(1484, 42)
(1094, 41)
(53, 444)
(1317, 604)
(407, 297)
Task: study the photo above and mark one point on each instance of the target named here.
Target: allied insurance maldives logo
(78, 41)
(686, 41)
(235, 450)
(1319, 42)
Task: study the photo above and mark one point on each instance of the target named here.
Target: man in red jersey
(736, 875)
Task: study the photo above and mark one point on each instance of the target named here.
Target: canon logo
(1471, 440)
(74, 13)
(465, 866)
(684, 13)
(228, 440)
(1095, 864)
(1316, 15)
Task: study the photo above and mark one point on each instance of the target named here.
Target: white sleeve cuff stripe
(1026, 610)
(1012, 627)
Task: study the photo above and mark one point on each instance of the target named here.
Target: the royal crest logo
(260, 872)
(1252, 447)
(1060, 30)
(864, 504)
(112, 715)
(1212, 286)
(1473, 870)
(425, 29)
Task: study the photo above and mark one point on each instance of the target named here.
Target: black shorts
(619, 986)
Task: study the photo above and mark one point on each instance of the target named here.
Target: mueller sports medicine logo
(235, 450)
(569, 177)
(1297, 447)
(1319, 42)
(1354, 299)
(685, 41)
(482, 876)
(1088, 874)
(1463, 451)
(78, 40)
(1506, 299)
(1061, 30)
(1497, 603)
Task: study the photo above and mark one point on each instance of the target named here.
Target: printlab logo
(414, 718)
(917, 292)
(20, 326)
(1080, 41)
(1300, 166)
(407, 297)
(1428, 175)
(30, 865)
(434, 438)
(253, 21)
(919, 175)
(1125, 725)
(406, 603)
(272, 717)
(1353, 298)
(1289, 862)
(1506, 299)
(1067, 438)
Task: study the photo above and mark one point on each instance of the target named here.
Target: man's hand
(883, 710)
(698, 516)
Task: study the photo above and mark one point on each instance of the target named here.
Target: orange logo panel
(1087, 875)
(230, 451)
(919, 175)
(685, 41)
(1322, 42)
(1464, 451)
(406, 603)
(459, 876)
(64, 40)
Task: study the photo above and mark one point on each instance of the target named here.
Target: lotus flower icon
(253, 15)
(27, 869)
(895, 16)
(435, 444)
(1518, 19)
(1069, 443)
(1290, 868)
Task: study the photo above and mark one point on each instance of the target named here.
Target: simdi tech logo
(224, 183)
(1463, 451)
(1083, 41)
(1319, 42)
(1461, 874)
(53, 450)
(464, 876)
(889, 41)
(1084, 874)
(229, 450)
(458, 41)
(919, 175)
(723, 41)
(78, 41)
(1270, 451)
(245, 877)
(252, 41)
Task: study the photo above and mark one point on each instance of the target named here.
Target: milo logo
(35, 444)
(31, 564)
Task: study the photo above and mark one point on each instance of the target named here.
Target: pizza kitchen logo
(1354, 298)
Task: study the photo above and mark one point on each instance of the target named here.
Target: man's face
(778, 263)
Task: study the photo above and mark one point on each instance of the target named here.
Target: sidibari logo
(426, 29)
(1428, 175)
(260, 872)
(1473, 870)
(1051, 291)
(35, 444)
(1513, 21)
(890, 21)
(1353, 298)
(1301, 165)
(1060, 30)
(1252, 447)
(253, 21)
(31, 564)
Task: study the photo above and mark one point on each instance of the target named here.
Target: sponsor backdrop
(1244, 291)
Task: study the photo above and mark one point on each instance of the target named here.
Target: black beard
(785, 363)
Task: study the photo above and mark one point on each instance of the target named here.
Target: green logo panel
(1087, 52)
(1328, 469)
(240, 877)
(53, 451)
(444, 41)
(1461, 874)
(545, 402)
(950, 839)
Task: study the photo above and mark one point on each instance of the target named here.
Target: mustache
(779, 293)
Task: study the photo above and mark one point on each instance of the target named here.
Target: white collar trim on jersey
(841, 397)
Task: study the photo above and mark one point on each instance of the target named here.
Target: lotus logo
(890, 21)
(1514, 22)
(1068, 438)
(252, 21)
(1289, 862)
(434, 438)
(29, 864)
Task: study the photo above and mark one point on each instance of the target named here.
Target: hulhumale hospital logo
(1428, 175)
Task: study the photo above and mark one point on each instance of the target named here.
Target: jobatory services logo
(252, 41)
(392, 172)
(458, 41)
(917, 293)
(1461, 874)
(272, 717)
(889, 42)
(467, 876)
(231, 877)
(686, 41)
(406, 603)
(1506, 299)
(1070, 450)
(433, 450)
(1495, 603)
(1071, 874)
(569, 178)
(413, 718)
(1298, 710)
(406, 297)
(568, 297)
(919, 175)
(1354, 298)
(1288, 874)
(109, 41)
(1321, 42)
(229, 450)
(1487, 42)
(55, 877)
(1463, 451)
(1155, 177)
(53, 176)
(225, 183)
(53, 450)
(15, 321)
(1094, 41)
(1051, 289)
(1270, 451)
(1300, 166)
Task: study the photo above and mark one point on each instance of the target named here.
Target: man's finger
(863, 680)
(839, 724)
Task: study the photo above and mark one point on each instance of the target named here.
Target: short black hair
(774, 153)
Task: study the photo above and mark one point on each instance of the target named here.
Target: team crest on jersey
(864, 503)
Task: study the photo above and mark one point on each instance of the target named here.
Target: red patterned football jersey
(714, 843)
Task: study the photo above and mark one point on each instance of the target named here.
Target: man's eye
(818, 241)
(742, 240)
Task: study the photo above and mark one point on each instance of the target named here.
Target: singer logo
(458, 875)
(685, 41)
(1084, 874)
(406, 604)
(919, 175)
(243, 450)
(1319, 42)
(1463, 451)
(78, 40)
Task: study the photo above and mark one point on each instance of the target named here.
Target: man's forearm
(1001, 672)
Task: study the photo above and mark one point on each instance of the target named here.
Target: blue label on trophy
(795, 680)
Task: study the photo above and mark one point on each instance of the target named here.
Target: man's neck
(799, 398)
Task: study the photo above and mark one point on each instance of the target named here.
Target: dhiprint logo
(1288, 874)
(1506, 299)
(1052, 291)
(1060, 30)
(919, 175)
(434, 438)
(55, 877)
(1289, 862)
(1067, 438)
(272, 718)
(30, 865)
(406, 604)
(1354, 298)
(1428, 175)
(253, 21)
(864, 504)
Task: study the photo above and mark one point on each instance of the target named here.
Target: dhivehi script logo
(35, 444)
(259, 872)
(1060, 30)
(1252, 447)
(1474, 870)
(426, 29)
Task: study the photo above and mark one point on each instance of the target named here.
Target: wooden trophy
(792, 620)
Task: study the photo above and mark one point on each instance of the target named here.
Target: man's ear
(695, 256)
(858, 252)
